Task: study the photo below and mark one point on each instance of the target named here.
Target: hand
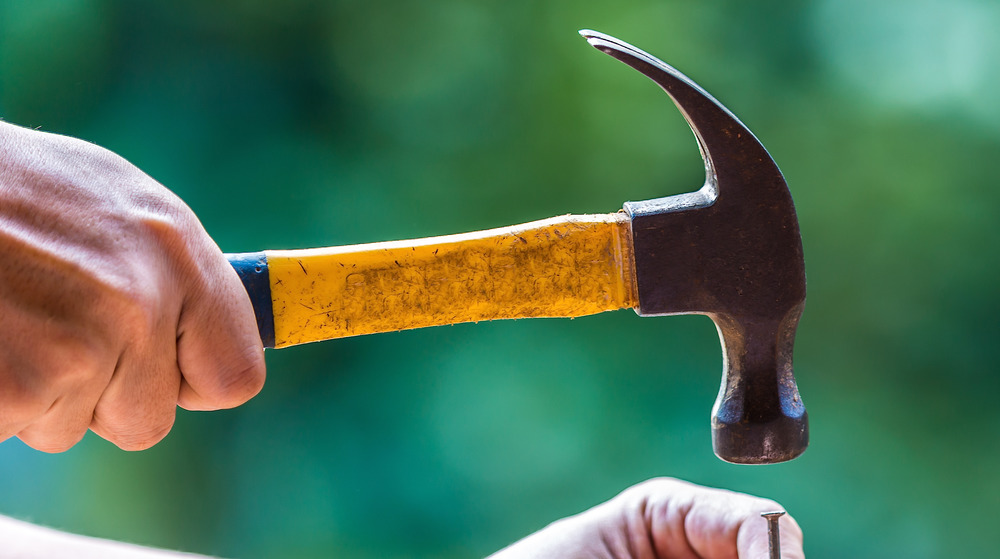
(116, 305)
(664, 519)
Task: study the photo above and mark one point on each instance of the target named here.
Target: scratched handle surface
(561, 267)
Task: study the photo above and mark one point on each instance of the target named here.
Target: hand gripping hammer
(730, 250)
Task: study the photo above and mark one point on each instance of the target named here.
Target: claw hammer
(730, 250)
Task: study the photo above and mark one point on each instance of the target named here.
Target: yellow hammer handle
(566, 266)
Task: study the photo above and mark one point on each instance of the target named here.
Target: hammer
(730, 250)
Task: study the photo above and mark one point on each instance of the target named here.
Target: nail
(773, 537)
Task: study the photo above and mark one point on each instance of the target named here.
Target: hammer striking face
(730, 250)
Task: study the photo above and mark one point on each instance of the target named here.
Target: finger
(19, 406)
(66, 421)
(218, 347)
(62, 426)
(48, 391)
(688, 520)
(139, 406)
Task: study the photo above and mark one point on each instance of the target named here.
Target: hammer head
(732, 251)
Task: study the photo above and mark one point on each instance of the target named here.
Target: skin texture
(664, 519)
(116, 305)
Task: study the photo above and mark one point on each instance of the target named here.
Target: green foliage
(306, 123)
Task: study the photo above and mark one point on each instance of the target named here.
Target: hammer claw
(730, 250)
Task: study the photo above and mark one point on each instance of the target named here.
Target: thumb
(219, 351)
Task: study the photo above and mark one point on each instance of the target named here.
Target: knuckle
(234, 385)
(54, 434)
(657, 485)
(172, 225)
(237, 388)
(643, 494)
(52, 444)
(133, 424)
(139, 437)
(662, 481)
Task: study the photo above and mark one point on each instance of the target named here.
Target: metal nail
(773, 537)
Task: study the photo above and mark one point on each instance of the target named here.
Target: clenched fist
(115, 304)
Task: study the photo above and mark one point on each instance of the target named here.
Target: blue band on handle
(252, 269)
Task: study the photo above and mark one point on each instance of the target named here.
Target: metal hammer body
(730, 250)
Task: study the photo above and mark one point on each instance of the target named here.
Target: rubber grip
(252, 269)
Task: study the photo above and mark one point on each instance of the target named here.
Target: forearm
(21, 540)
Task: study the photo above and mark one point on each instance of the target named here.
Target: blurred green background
(307, 123)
